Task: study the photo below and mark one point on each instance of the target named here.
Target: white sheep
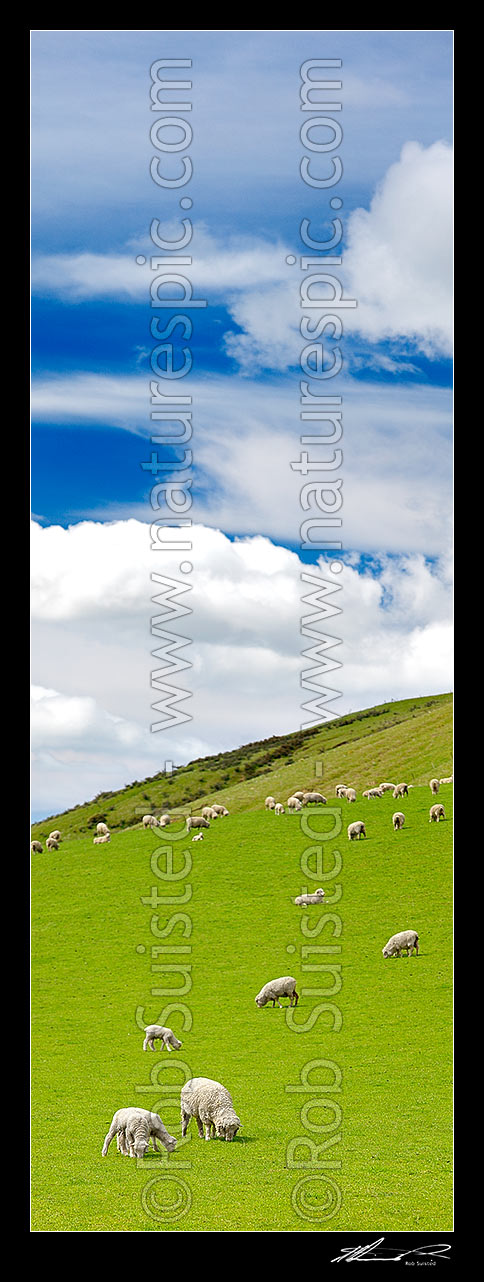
(100, 841)
(356, 831)
(270, 803)
(400, 790)
(294, 803)
(371, 793)
(406, 939)
(436, 813)
(298, 795)
(51, 844)
(164, 821)
(135, 1127)
(208, 812)
(149, 821)
(198, 837)
(350, 794)
(340, 790)
(276, 988)
(156, 1032)
(434, 785)
(102, 830)
(398, 820)
(313, 799)
(211, 1105)
(197, 821)
(316, 898)
(55, 835)
(449, 780)
(36, 848)
(278, 809)
(220, 811)
(387, 787)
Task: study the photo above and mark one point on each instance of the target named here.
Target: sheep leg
(185, 1118)
(200, 1128)
(208, 1130)
(145, 1044)
(167, 1044)
(110, 1136)
(296, 998)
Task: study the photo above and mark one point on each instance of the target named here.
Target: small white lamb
(156, 1032)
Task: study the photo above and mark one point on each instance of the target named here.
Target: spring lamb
(316, 898)
(156, 1032)
(135, 1127)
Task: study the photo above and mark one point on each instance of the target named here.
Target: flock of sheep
(208, 1101)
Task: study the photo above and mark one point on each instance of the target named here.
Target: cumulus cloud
(397, 265)
(93, 660)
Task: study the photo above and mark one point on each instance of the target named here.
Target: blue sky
(93, 202)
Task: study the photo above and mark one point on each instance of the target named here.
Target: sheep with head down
(134, 1127)
(211, 1105)
(276, 988)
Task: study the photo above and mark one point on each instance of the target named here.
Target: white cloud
(396, 468)
(92, 649)
(397, 265)
(238, 263)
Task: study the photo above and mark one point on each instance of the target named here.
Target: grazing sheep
(398, 820)
(313, 799)
(208, 812)
(298, 795)
(270, 803)
(276, 988)
(100, 841)
(316, 898)
(135, 1127)
(400, 790)
(150, 821)
(36, 848)
(372, 792)
(341, 790)
(211, 1105)
(164, 821)
(51, 844)
(387, 787)
(350, 794)
(197, 821)
(55, 835)
(155, 1032)
(220, 811)
(356, 830)
(434, 785)
(198, 837)
(278, 810)
(294, 803)
(102, 830)
(407, 939)
(436, 813)
(449, 780)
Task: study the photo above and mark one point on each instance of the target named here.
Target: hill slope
(113, 952)
(411, 738)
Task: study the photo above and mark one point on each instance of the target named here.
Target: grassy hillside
(102, 949)
(410, 737)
